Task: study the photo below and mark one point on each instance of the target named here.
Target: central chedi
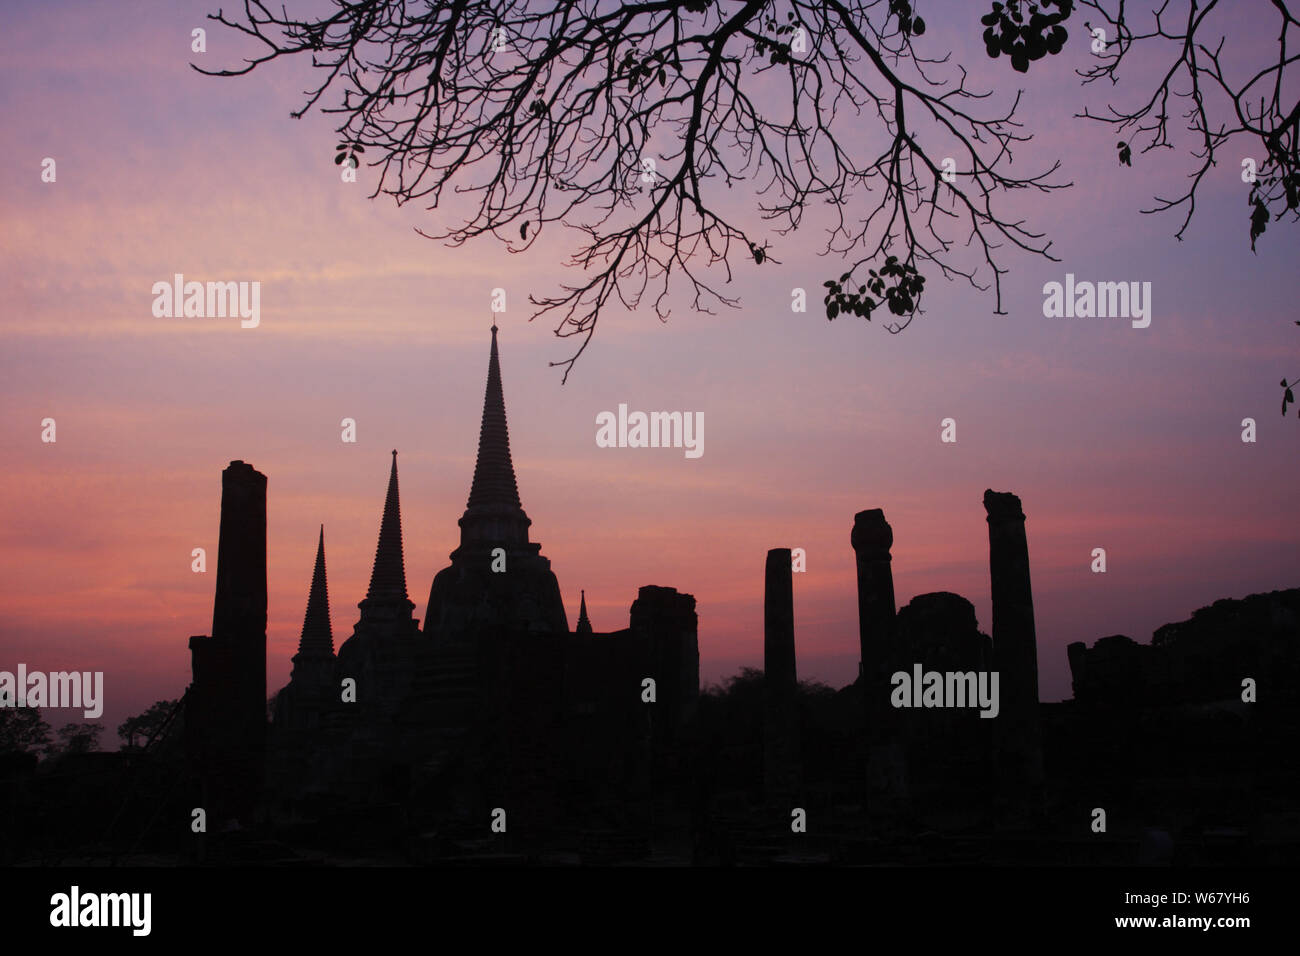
(498, 581)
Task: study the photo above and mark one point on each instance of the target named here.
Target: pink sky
(1113, 437)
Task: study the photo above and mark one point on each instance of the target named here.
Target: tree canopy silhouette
(78, 738)
(145, 725)
(23, 730)
(654, 129)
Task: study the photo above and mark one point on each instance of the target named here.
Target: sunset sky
(1114, 437)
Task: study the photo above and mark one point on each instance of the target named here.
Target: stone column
(872, 539)
(668, 621)
(228, 697)
(781, 771)
(240, 605)
(1018, 749)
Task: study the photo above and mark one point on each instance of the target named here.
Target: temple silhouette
(494, 703)
(495, 733)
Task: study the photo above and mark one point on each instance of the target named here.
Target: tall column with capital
(872, 540)
(1018, 748)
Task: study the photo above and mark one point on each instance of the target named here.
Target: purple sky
(1114, 437)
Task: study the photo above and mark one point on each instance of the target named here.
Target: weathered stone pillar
(1018, 749)
(226, 706)
(240, 605)
(872, 539)
(781, 771)
(668, 621)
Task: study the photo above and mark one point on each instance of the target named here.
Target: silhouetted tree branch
(1259, 109)
(535, 113)
(1256, 107)
(652, 129)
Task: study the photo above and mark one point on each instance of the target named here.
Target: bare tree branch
(1253, 109)
(651, 129)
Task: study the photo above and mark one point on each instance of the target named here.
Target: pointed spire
(317, 635)
(584, 624)
(388, 580)
(494, 473)
(493, 516)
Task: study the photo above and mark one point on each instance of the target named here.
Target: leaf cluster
(349, 152)
(1026, 32)
(902, 297)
